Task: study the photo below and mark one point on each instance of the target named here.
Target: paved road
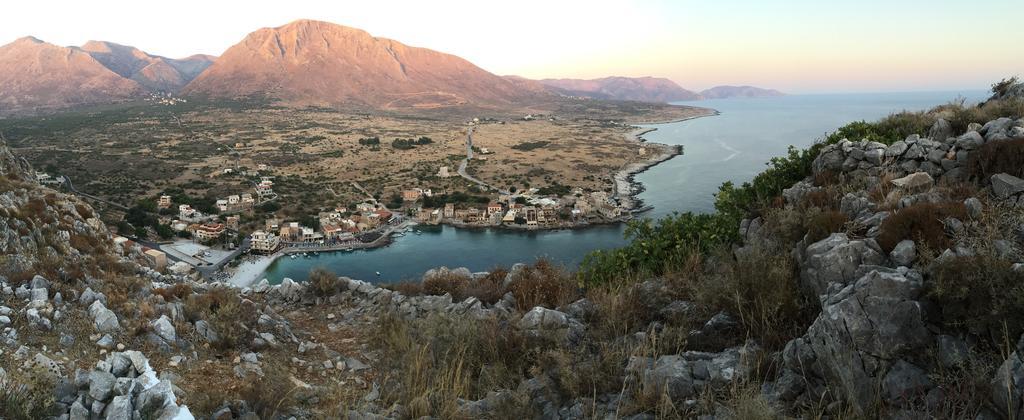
(465, 162)
(72, 188)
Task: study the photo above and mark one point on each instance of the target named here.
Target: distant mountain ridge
(644, 89)
(35, 74)
(721, 92)
(303, 62)
(151, 71)
(309, 61)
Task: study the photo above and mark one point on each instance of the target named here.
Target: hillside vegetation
(876, 274)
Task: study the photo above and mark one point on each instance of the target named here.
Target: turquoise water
(732, 146)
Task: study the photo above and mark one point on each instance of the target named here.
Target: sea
(734, 145)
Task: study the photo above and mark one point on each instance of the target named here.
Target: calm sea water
(732, 146)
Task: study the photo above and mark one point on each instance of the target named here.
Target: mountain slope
(645, 89)
(317, 62)
(720, 92)
(150, 71)
(36, 74)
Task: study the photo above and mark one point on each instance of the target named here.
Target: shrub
(223, 310)
(33, 400)
(997, 157)
(442, 359)
(821, 224)
(450, 283)
(762, 289)
(325, 283)
(922, 222)
(982, 294)
(178, 291)
(543, 284)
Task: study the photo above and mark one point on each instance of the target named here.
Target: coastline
(625, 187)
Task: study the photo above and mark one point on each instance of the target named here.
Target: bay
(732, 146)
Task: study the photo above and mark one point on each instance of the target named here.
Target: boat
(419, 233)
(349, 249)
(378, 273)
(292, 256)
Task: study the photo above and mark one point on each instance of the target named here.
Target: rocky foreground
(88, 332)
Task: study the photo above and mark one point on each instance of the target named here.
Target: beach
(249, 271)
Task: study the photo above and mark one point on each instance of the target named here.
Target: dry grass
(997, 157)
(544, 284)
(922, 222)
(223, 310)
(325, 283)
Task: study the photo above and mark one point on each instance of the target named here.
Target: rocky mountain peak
(13, 167)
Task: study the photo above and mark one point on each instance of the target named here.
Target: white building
(264, 242)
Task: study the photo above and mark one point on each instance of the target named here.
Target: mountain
(645, 89)
(316, 62)
(153, 72)
(720, 92)
(36, 74)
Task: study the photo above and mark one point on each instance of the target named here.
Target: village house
(309, 235)
(164, 202)
(272, 225)
(209, 232)
(264, 242)
(365, 207)
(530, 214)
(411, 196)
(232, 222)
(156, 259)
(186, 211)
(247, 200)
(265, 189)
(222, 205)
(443, 172)
(178, 225)
(510, 216)
(449, 210)
(233, 200)
(493, 208)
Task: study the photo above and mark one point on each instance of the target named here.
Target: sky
(795, 46)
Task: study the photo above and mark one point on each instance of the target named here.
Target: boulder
(164, 329)
(864, 330)
(1004, 185)
(101, 384)
(540, 318)
(896, 149)
(835, 260)
(104, 320)
(941, 130)
(970, 141)
(915, 182)
(904, 253)
(974, 208)
(119, 409)
(905, 382)
(1008, 384)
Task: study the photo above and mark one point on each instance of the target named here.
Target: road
(72, 188)
(465, 162)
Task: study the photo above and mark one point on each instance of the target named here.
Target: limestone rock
(1005, 185)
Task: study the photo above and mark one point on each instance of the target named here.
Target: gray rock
(206, 331)
(866, 327)
(543, 318)
(78, 411)
(874, 156)
(355, 365)
(953, 352)
(1005, 185)
(835, 260)
(1008, 384)
(119, 409)
(1016, 133)
(914, 152)
(974, 208)
(896, 149)
(941, 130)
(904, 253)
(905, 382)
(104, 319)
(4, 320)
(39, 282)
(936, 156)
(105, 342)
(163, 328)
(970, 141)
(996, 127)
(101, 384)
(151, 402)
(953, 226)
(915, 182)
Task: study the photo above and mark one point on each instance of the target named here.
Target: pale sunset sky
(798, 46)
